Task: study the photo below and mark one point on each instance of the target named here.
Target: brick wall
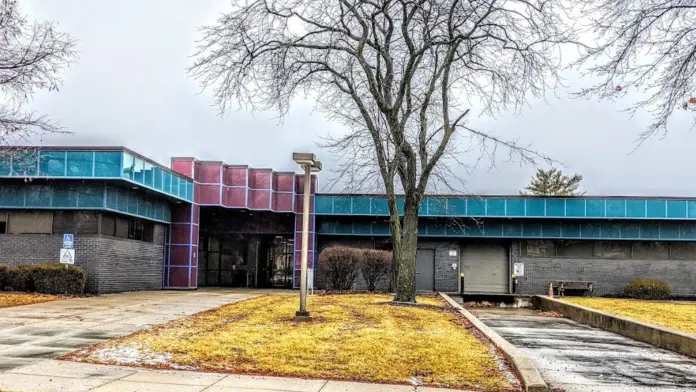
(112, 264)
(609, 275)
(128, 265)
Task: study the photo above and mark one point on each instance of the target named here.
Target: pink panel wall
(183, 166)
(235, 176)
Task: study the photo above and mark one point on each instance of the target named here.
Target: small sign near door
(518, 269)
(67, 256)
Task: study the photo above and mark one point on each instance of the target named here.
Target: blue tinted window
(52, 164)
(158, 178)
(11, 196)
(65, 197)
(107, 164)
(182, 188)
(148, 175)
(25, 163)
(132, 203)
(167, 182)
(175, 186)
(122, 201)
(112, 198)
(4, 166)
(128, 166)
(38, 196)
(91, 197)
(138, 167)
(189, 190)
(80, 163)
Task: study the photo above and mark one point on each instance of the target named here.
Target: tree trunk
(406, 255)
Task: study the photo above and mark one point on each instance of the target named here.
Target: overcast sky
(130, 88)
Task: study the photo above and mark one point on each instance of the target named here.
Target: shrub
(647, 289)
(56, 279)
(19, 278)
(376, 265)
(339, 266)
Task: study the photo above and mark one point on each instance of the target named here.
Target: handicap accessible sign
(68, 241)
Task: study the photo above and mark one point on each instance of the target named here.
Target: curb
(666, 338)
(523, 366)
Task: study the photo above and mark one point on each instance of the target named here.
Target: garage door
(486, 268)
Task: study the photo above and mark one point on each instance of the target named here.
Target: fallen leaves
(17, 299)
(351, 337)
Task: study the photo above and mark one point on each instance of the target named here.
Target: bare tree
(403, 76)
(647, 47)
(552, 182)
(33, 55)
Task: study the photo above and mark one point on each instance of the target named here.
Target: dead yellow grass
(17, 299)
(676, 315)
(355, 337)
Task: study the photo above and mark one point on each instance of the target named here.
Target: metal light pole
(310, 165)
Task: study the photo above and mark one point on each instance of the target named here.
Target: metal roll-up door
(486, 268)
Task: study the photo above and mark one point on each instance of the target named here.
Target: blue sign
(68, 241)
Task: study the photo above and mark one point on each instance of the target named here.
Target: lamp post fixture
(310, 165)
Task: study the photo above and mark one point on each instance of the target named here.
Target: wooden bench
(585, 288)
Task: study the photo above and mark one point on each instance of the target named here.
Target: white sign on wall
(67, 256)
(518, 269)
(453, 253)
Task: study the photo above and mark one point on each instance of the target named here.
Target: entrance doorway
(425, 270)
(276, 262)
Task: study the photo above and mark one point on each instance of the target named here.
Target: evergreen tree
(553, 182)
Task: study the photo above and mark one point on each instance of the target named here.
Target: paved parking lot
(579, 358)
(32, 333)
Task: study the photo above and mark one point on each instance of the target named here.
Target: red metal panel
(282, 182)
(194, 237)
(209, 194)
(234, 197)
(282, 202)
(181, 234)
(181, 213)
(235, 176)
(209, 173)
(260, 179)
(259, 199)
(178, 277)
(180, 255)
(196, 213)
(183, 166)
(194, 277)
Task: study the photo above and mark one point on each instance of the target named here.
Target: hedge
(43, 278)
(647, 289)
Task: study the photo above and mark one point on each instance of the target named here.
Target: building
(140, 225)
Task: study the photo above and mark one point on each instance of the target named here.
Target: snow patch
(134, 356)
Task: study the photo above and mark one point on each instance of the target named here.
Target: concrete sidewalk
(33, 333)
(52, 375)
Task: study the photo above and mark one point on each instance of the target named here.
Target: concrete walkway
(32, 333)
(577, 357)
(52, 375)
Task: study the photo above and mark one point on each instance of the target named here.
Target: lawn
(16, 299)
(676, 315)
(352, 337)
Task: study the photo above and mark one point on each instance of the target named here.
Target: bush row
(43, 278)
(340, 266)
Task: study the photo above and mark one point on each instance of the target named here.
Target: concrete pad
(344, 386)
(579, 358)
(131, 386)
(9, 363)
(174, 377)
(35, 331)
(273, 383)
(31, 383)
(69, 342)
(34, 352)
(73, 370)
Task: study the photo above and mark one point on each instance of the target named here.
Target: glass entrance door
(280, 260)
